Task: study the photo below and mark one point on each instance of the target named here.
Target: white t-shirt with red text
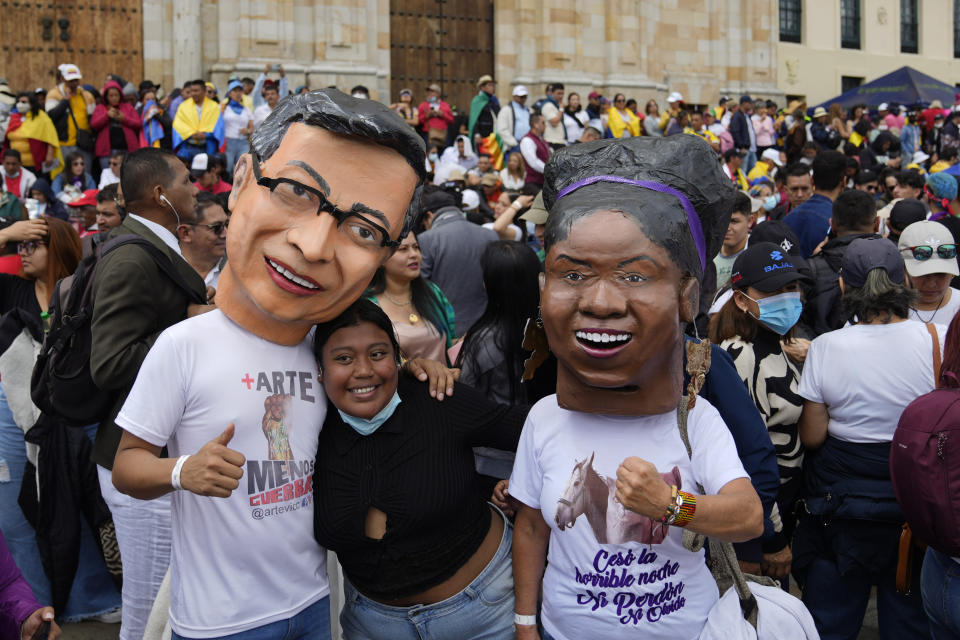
(639, 582)
(245, 561)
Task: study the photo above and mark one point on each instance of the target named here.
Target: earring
(535, 341)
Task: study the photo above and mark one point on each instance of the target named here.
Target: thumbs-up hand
(215, 470)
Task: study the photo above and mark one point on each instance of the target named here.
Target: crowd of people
(462, 349)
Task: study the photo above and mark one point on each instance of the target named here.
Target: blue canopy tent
(905, 86)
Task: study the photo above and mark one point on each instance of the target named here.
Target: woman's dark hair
(878, 299)
(510, 277)
(63, 250)
(632, 105)
(568, 109)
(68, 162)
(362, 310)
(421, 294)
(34, 101)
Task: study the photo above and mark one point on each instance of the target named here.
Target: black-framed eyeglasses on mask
(297, 198)
(925, 252)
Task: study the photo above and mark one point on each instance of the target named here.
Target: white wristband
(524, 621)
(175, 474)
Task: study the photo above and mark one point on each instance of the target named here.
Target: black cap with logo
(764, 266)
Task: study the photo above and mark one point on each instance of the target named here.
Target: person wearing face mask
(397, 497)
(752, 327)
(31, 133)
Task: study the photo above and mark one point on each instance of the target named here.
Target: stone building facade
(702, 48)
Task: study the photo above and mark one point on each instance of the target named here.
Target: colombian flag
(493, 145)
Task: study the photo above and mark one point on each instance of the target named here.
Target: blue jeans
(236, 147)
(482, 611)
(92, 592)
(313, 623)
(838, 602)
(749, 160)
(940, 584)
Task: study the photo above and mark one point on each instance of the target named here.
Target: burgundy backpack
(925, 468)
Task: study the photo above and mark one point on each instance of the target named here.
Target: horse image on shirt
(275, 427)
(593, 495)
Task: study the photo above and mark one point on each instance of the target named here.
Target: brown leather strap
(905, 560)
(932, 328)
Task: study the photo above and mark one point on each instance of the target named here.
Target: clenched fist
(215, 470)
(641, 489)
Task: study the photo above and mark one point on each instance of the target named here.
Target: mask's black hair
(342, 114)
(686, 163)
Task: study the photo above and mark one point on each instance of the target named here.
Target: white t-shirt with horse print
(612, 572)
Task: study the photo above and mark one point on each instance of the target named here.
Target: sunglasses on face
(217, 227)
(28, 248)
(925, 252)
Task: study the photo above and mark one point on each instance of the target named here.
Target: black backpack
(62, 384)
(538, 106)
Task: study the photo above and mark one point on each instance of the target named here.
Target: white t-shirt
(554, 133)
(245, 561)
(260, 114)
(233, 122)
(867, 374)
(517, 232)
(944, 314)
(640, 584)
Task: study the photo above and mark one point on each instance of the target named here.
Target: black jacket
(738, 130)
(822, 311)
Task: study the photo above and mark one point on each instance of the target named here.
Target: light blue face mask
(770, 203)
(780, 312)
(366, 427)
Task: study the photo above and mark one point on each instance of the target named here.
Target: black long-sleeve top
(418, 468)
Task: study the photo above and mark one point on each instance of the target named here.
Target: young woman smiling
(422, 316)
(396, 493)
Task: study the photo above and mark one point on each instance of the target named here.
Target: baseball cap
(470, 199)
(537, 213)
(455, 174)
(406, 92)
(865, 254)
(520, 90)
(772, 155)
(779, 233)
(764, 266)
(438, 200)
(200, 162)
(484, 79)
(88, 199)
(675, 96)
(69, 71)
(745, 98)
(907, 211)
(148, 85)
(883, 107)
(489, 180)
(234, 84)
(594, 95)
(434, 87)
(930, 234)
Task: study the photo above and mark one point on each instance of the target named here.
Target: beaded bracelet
(673, 507)
(687, 507)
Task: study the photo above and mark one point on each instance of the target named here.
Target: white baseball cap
(883, 107)
(929, 234)
(70, 72)
(200, 162)
(471, 200)
(772, 155)
(674, 97)
(520, 90)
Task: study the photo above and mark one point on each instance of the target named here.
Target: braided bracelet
(687, 507)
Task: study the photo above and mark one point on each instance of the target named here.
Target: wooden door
(100, 38)
(449, 42)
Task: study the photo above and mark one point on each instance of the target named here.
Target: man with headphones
(134, 300)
